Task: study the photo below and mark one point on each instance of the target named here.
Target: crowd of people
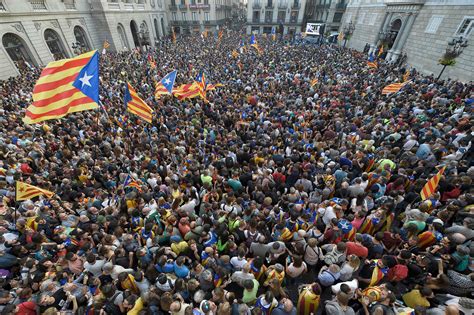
(280, 195)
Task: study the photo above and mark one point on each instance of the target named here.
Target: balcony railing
(173, 7)
(128, 6)
(195, 22)
(182, 7)
(255, 20)
(140, 6)
(199, 7)
(269, 6)
(114, 6)
(38, 5)
(268, 20)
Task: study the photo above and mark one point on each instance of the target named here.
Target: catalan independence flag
(130, 182)
(165, 86)
(136, 105)
(65, 86)
(430, 187)
(26, 191)
(393, 88)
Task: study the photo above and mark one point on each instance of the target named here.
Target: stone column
(386, 21)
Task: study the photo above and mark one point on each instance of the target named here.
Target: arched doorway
(134, 29)
(157, 32)
(81, 38)
(123, 36)
(144, 35)
(162, 27)
(17, 50)
(54, 44)
(394, 30)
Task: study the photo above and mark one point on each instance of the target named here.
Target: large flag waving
(136, 105)
(165, 86)
(65, 86)
(430, 187)
(393, 88)
(26, 191)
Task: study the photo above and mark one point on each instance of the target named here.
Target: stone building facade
(421, 29)
(285, 16)
(197, 16)
(35, 32)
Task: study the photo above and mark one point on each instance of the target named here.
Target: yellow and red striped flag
(430, 187)
(106, 44)
(380, 51)
(372, 64)
(131, 182)
(26, 191)
(235, 54)
(173, 35)
(314, 82)
(406, 75)
(190, 90)
(136, 105)
(393, 88)
(65, 86)
(211, 87)
(161, 90)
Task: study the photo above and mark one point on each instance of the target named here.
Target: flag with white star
(65, 86)
(165, 85)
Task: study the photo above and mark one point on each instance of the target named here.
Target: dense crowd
(277, 196)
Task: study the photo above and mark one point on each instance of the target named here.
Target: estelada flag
(26, 191)
(65, 86)
(430, 187)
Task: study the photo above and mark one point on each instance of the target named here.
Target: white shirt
(238, 263)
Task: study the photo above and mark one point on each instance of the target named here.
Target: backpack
(250, 238)
(397, 273)
(110, 308)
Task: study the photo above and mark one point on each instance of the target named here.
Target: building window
(206, 16)
(183, 16)
(54, 44)
(361, 18)
(281, 16)
(195, 16)
(268, 16)
(206, 2)
(337, 17)
(256, 16)
(434, 24)
(174, 16)
(294, 17)
(466, 27)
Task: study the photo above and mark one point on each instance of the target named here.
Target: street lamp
(77, 47)
(348, 30)
(454, 49)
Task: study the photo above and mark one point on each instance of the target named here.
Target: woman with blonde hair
(349, 267)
